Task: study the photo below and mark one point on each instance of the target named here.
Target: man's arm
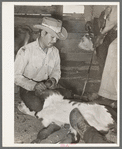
(111, 21)
(20, 63)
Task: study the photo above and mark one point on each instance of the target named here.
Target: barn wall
(74, 61)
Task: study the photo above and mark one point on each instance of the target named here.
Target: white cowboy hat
(54, 27)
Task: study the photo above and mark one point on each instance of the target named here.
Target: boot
(78, 122)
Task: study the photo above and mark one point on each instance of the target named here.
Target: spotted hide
(57, 110)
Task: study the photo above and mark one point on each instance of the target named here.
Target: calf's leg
(45, 132)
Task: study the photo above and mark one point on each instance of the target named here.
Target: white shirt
(33, 64)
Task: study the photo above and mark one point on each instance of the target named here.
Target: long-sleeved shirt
(33, 64)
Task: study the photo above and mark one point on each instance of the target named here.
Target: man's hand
(99, 40)
(40, 87)
(51, 83)
(88, 26)
(114, 104)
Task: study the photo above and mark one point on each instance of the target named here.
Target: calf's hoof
(43, 134)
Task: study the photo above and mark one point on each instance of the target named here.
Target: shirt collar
(37, 43)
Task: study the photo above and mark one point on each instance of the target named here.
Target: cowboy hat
(54, 27)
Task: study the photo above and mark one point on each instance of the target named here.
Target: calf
(57, 110)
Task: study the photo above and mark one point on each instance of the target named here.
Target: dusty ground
(27, 127)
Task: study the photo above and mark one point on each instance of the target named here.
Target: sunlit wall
(73, 9)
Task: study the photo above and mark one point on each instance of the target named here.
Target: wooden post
(58, 13)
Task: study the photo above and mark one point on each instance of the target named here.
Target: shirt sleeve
(88, 12)
(56, 72)
(20, 63)
(111, 21)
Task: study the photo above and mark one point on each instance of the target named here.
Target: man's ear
(43, 33)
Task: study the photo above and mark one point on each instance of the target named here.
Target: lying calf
(57, 110)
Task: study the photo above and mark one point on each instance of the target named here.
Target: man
(108, 89)
(91, 14)
(38, 63)
(95, 18)
(104, 38)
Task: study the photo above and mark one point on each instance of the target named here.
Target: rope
(87, 78)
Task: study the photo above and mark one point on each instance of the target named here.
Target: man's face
(49, 40)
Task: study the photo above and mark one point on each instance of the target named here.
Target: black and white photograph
(60, 74)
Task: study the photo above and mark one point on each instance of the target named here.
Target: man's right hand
(40, 87)
(99, 40)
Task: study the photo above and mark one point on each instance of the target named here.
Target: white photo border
(8, 74)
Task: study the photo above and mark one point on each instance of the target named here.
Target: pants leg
(93, 136)
(108, 87)
(33, 102)
(102, 50)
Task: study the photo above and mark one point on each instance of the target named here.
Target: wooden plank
(70, 16)
(76, 85)
(75, 56)
(71, 26)
(27, 21)
(55, 10)
(34, 9)
(75, 35)
(74, 26)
